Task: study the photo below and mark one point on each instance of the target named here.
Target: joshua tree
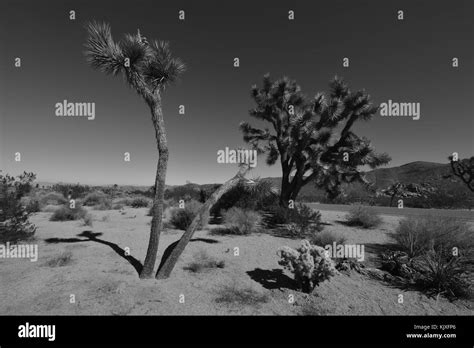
(148, 68)
(312, 138)
(464, 169)
(407, 190)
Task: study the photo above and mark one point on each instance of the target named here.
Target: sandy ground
(104, 282)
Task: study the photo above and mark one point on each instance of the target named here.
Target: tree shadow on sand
(91, 236)
(272, 279)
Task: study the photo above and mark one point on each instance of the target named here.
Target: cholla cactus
(310, 264)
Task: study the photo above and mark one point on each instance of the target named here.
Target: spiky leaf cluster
(147, 67)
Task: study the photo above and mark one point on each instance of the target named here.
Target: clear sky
(406, 61)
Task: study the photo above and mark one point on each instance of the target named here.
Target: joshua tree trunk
(286, 187)
(290, 188)
(391, 200)
(174, 251)
(157, 213)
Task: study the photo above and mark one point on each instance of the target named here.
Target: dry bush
(140, 202)
(327, 238)
(61, 260)
(117, 206)
(87, 220)
(241, 222)
(95, 198)
(417, 235)
(298, 222)
(52, 198)
(203, 262)
(65, 213)
(435, 255)
(181, 218)
(365, 217)
(50, 208)
(106, 204)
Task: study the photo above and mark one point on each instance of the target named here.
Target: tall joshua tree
(148, 67)
(312, 138)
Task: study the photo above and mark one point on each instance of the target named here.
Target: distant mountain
(414, 172)
(436, 174)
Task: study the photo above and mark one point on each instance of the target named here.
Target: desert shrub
(87, 220)
(435, 255)
(181, 218)
(94, 198)
(441, 275)
(14, 223)
(65, 213)
(106, 204)
(117, 206)
(61, 260)
(140, 202)
(235, 294)
(242, 221)
(365, 217)
(33, 206)
(203, 262)
(123, 201)
(309, 264)
(50, 208)
(417, 235)
(297, 222)
(327, 238)
(187, 192)
(433, 272)
(75, 190)
(53, 198)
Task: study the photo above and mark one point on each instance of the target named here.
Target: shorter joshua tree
(407, 190)
(464, 169)
(313, 138)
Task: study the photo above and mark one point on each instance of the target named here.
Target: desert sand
(104, 281)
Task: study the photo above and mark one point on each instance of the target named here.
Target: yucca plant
(148, 68)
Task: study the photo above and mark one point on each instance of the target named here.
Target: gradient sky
(406, 61)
